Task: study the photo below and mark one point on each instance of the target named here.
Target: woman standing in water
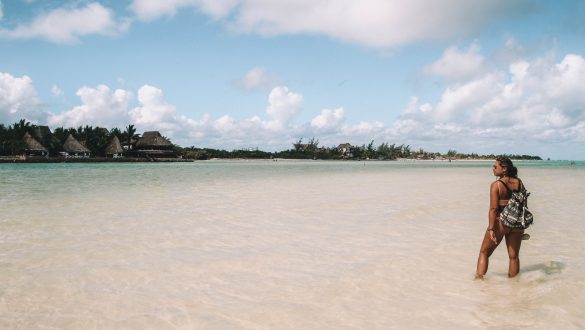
(500, 193)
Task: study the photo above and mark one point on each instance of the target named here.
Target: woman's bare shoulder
(495, 184)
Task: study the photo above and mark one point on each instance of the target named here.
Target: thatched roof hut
(74, 148)
(114, 148)
(154, 145)
(32, 144)
(153, 139)
(32, 147)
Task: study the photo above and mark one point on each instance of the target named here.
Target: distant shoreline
(38, 160)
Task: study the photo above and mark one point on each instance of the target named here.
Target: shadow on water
(548, 268)
(535, 271)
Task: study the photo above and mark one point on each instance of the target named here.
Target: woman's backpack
(516, 214)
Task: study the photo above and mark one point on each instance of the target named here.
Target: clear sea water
(282, 245)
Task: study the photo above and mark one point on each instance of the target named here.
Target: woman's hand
(493, 236)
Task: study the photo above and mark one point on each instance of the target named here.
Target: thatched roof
(72, 145)
(114, 147)
(153, 138)
(32, 144)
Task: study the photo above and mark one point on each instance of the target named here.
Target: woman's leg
(486, 250)
(513, 241)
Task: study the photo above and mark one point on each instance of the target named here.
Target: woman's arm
(494, 205)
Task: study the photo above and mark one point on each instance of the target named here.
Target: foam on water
(287, 245)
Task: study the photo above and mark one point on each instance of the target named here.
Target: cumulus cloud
(458, 99)
(283, 106)
(373, 23)
(364, 129)
(538, 100)
(67, 25)
(329, 120)
(18, 100)
(100, 107)
(154, 113)
(456, 65)
(256, 79)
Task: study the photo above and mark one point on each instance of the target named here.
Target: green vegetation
(96, 139)
(311, 150)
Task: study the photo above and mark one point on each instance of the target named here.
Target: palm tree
(14, 135)
(20, 127)
(131, 135)
(115, 132)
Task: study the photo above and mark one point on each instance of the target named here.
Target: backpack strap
(505, 185)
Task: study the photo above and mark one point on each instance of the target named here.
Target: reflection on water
(279, 245)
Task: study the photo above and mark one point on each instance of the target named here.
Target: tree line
(312, 150)
(96, 139)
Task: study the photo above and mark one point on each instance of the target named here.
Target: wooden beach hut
(154, 145)
(114, 149)
(32, 147)
(345, 150)
(72, 148)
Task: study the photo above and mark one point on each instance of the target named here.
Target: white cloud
(67, 25)
(456, 65)
(154, 113)
(1, 10)
(457, 100)
(364, 129)
(328, 120)
(416, 111)
(225, 124)
(100, 107)
(256, 79)
(277, 130)
(512, 51)
(538, 100)
(373, 23)
(565, 81)
(19, 100)
(283, 106)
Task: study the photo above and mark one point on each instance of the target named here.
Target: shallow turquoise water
(287, 244)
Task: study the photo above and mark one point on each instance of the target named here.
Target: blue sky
(475, 76)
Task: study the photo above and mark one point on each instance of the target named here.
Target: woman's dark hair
(507, 163)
